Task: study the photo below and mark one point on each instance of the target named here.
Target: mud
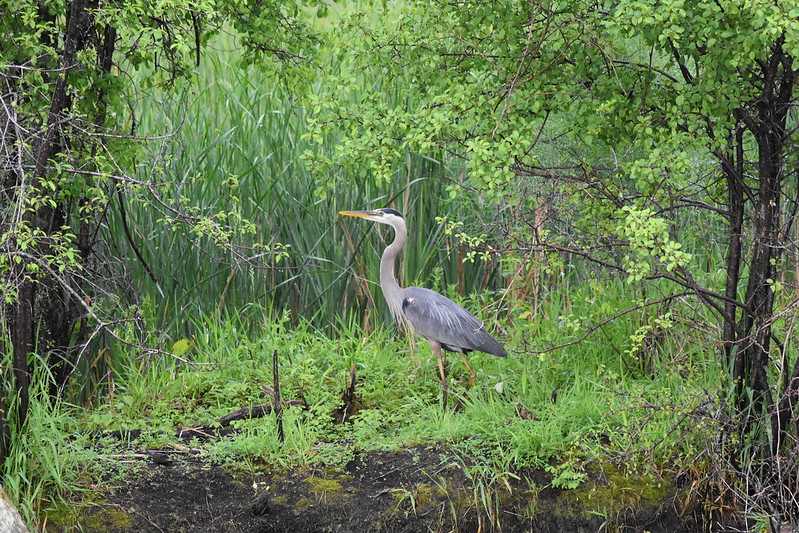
(415, 489)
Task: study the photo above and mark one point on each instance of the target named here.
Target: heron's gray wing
(438, 318)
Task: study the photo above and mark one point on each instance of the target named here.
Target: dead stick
(254, 411)
(277, 407)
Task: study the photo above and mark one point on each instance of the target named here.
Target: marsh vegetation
(610, 203)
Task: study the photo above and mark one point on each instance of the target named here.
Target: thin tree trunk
(23, 309)
(733, 171)
(767, 126)
(759, 299)
(65, 310)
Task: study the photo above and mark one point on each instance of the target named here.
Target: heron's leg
(472, 374)
(441, 370)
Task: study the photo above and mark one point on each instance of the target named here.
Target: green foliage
(588, 130)
(412, 107)
(75, 76)
(566, 476)
(649, 137)
(597, 393)
(47, 456)
(642, 91)
(649, 237)
(72, 73)
(604, 408)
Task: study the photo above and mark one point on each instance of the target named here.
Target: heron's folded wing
(438, 318)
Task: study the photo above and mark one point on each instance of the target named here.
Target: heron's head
(389, 216)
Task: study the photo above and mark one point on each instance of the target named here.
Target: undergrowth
(649, 406)
(553, 410)
(529, 410)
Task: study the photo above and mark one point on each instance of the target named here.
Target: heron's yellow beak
(361, 214)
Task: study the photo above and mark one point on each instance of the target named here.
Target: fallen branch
(255, 411)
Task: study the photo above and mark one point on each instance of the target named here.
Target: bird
(445, 324)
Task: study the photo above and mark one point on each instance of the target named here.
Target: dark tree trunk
(32, 310)
(61, 311)
(753, 353)
(765, 120)
(732, 167)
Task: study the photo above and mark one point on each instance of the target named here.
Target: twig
(595, 327)
(277, 409)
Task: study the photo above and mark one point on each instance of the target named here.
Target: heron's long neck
(388, 282)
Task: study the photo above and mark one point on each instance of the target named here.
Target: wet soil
(421, 488)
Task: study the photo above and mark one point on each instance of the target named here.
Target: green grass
(48, 452)
(611, 403)
(602, 394)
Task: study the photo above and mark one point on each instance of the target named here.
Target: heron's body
(445, 324)
(439, 319)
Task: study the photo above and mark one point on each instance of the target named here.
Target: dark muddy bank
(415, 489)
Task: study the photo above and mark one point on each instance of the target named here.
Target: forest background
(611, 187)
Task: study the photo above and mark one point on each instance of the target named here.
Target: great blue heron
(441, 321)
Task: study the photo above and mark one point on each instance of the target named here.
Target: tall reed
(239, 151)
